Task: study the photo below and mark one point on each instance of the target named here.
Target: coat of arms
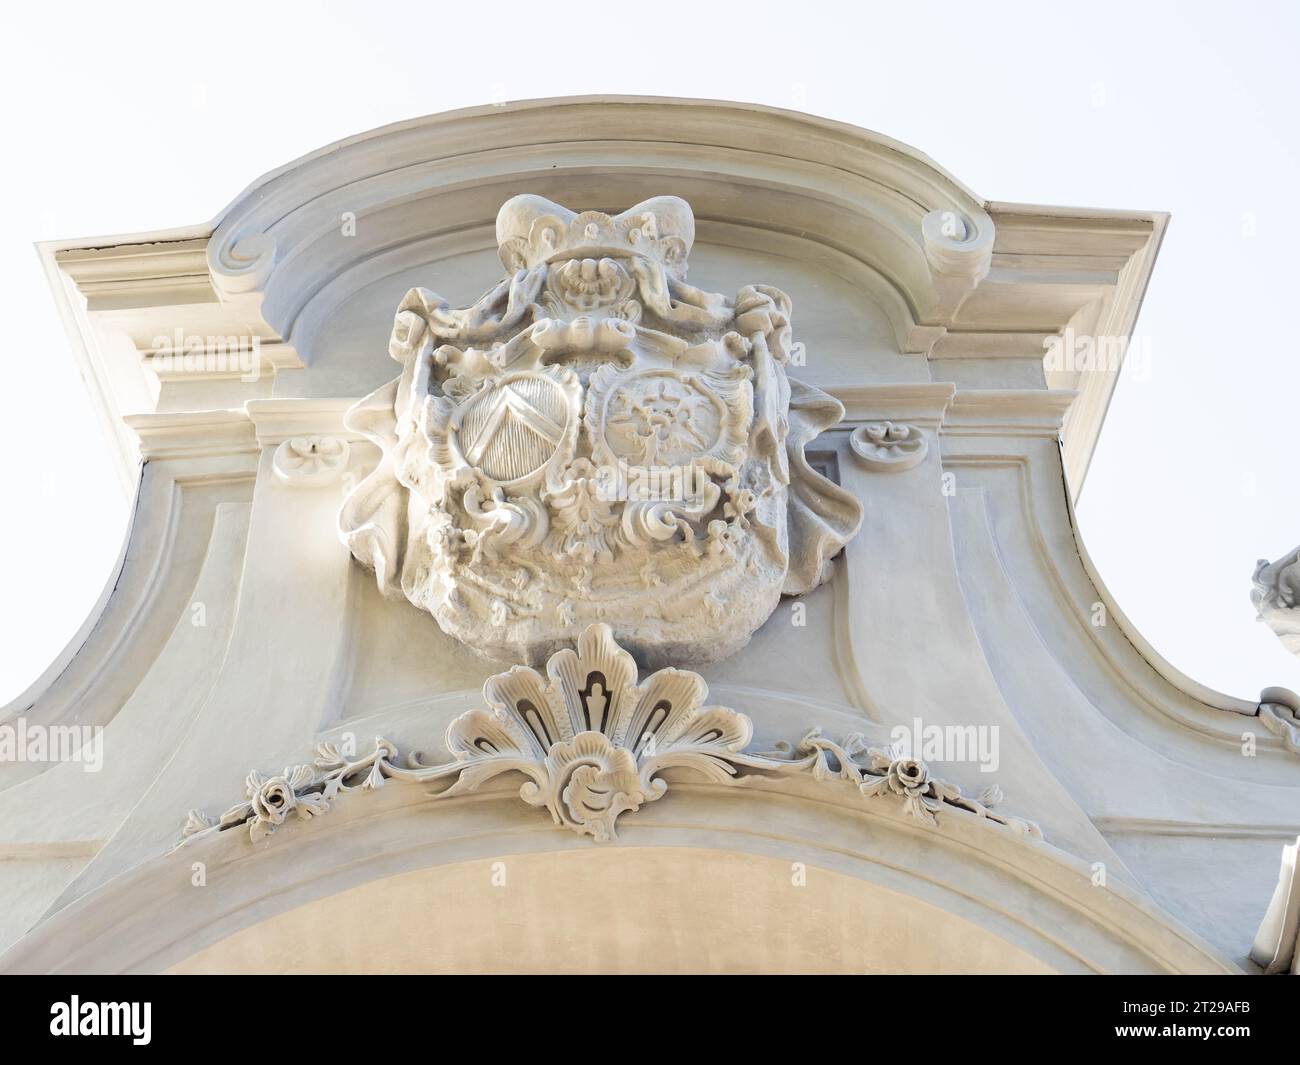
(595, 440)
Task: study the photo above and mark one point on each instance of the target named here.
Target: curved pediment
(926, 270)
(420, 191)
(852, 356)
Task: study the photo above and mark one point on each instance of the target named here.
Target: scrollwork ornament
(241, 262)
(889, 447)
(311, 461)
(645, 434)
(1279, 712)
(592, 743)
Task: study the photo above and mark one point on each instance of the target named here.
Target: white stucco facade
(923, 570)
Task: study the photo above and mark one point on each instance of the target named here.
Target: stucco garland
(593, 744)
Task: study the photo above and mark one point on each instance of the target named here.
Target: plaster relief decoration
(1279, 712)
(595, 440)
(592, 743)
(311, 461)
(1276, 595)
(889, 447)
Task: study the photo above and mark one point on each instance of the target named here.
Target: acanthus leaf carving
(592, 743)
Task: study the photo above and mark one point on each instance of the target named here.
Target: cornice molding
(957, 277)
(140, 275)
(922, 404)
(277, 420)
(1008, 412)
(193, 434)
(260, 424)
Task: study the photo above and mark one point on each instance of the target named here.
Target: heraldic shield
(595, 440)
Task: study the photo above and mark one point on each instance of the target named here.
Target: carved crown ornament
(596, 441)
(591, 742)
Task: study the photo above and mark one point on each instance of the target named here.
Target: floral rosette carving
(311, 461)
(300, 791)
(888, 772)
(889, 447)
(592, 743)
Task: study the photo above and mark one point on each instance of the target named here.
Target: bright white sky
(127, 118)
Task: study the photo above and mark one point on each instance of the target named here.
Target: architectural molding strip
(260, 423)
(1173, 695)
(1008, 412)
(1150, 826)
(278, 420)
(197, 434)
(922, 404)
(593, 744)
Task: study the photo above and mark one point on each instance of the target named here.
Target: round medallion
(512, 427)
(662, 419)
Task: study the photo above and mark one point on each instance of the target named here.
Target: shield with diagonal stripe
(511, 429)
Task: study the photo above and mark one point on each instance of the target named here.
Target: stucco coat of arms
(596, 441)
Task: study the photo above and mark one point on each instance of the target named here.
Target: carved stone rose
(595, 440)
